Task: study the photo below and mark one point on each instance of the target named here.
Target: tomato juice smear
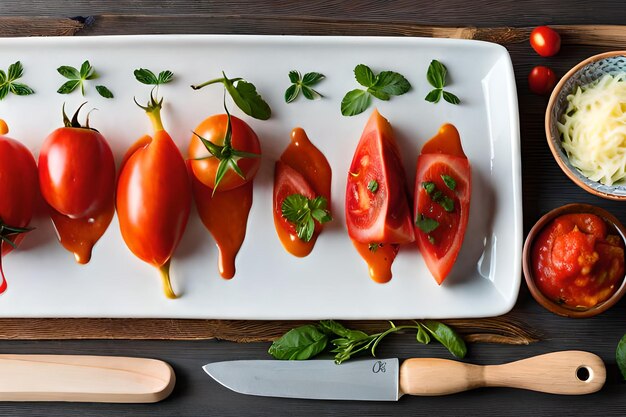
(308, 161)
(225, 215)
(577, 262)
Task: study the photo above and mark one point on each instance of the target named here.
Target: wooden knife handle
(84, 379)
(568, 372)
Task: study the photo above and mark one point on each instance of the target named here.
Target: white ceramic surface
(333, 281)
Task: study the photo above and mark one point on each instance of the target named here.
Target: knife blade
(566, 372)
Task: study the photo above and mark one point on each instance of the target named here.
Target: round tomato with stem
(224, 152)
(442, 199)
(76, 169)
(377, 207)
(154, 197)
(18, 188)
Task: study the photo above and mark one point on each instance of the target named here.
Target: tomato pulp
(577, 262)
(442, 199)
(302, 169)
(377, 202)
(77, 180)
(154, 198)
(18, 188)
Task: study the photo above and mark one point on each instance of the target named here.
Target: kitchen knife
(84, 379)
(567, 372)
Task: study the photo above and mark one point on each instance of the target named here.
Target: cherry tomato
(76, 170)
(204, 165)
(541, 80)
(378, 214)
(18, 188)
(154, 198)
(447, 204)
(545, 41)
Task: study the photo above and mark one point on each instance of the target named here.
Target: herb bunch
(303, 83)
(8, 82)
(77, 78)
(436, 76)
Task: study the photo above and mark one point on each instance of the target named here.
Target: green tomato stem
(214, 81)
(165, 277)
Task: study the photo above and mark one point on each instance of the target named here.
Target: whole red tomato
(154, 198)
(545, 41)
(541, 80)
(242, 150)
(76, 170)
(18, 188)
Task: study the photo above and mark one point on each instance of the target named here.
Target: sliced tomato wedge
(442, 199)
(377, 203)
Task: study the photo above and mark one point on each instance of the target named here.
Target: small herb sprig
(302, 211)
(244, 95)
(145, 76)
(436, 76)
(620, 356)
(382, 86)
(78, 77)
(307, 341)
(8, 82)
(303, 83)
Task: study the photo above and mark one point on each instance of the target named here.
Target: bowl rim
(548, 121)
(544, 301)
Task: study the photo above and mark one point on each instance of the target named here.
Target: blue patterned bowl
(584, 73)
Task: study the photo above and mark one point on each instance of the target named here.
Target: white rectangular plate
(333, 281)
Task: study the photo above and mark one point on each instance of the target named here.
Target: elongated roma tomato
(154, 197)
(18, 191)
(443, 187)
(77, 180)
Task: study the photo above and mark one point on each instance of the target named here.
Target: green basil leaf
(104, 92)
(449, 181)
(292, 93)
(312, 78)
(436, 74)
(422, 335)
(447, 337)
(392, 83)
(425, 224)
(145, 76)
(69, 72)
(299, 344)
(620, 356)
(309, 93)
(372, 186)
(294, 76)
(364, 75)
(247, 99)
(434, 96)
(15, 71)
(165, 77)
(429, 187)
(347, 336)
(4, 91)
(86, 71)
(381, 95)
(451, 98)
(21, 89)
(69, 86)
(3, 77)
(355, 102)
(446, 202)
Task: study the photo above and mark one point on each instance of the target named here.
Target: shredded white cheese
(593, 129)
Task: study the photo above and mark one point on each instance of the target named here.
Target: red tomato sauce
(577, 262)
(379, 258)
(310, 162)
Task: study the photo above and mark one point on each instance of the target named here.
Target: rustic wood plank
(39, 26)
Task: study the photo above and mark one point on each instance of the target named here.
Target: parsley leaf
(302, 212)
(372, 186)
(304, 84)
(382, 86)
(436, 76)
(244, 95)
(8, 84)
(77, 79)
(429, 187)
(437, 196)
(426, 224)
(449, 181)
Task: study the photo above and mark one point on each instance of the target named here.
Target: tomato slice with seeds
(377, 207)
(442, 195)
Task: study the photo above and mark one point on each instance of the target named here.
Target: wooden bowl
(549, 304)
(584, 73)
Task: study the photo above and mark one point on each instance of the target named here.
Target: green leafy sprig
(620, 356)
(382, 86)
(304, 84)
(436, 76)
(78, 77)
(8, 82)
(244, 95)
(308, 341)
(302, 211)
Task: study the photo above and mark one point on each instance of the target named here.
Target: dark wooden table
(544, 187)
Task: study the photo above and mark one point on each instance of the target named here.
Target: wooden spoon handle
(568, 372)
(84, 379)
